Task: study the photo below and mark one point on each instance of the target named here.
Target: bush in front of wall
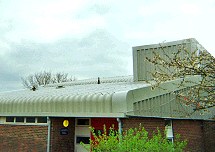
(133, 140)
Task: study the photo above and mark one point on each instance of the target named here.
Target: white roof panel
(78, 97)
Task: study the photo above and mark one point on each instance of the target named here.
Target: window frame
(23, 123)
(76, 122)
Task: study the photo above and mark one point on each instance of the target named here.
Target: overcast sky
(92, 38)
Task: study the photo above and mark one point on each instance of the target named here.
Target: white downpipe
(119, 125)
(120, 128)
(49, 134)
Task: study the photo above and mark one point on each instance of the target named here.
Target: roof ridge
(115, 79)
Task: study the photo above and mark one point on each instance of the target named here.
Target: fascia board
(66, 114)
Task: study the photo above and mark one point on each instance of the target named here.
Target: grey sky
(91, 38)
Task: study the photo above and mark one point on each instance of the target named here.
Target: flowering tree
(182, 64)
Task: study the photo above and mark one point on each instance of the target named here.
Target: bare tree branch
(44, 78)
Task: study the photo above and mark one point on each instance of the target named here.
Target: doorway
(82, 133)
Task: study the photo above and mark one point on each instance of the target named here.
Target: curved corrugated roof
(114, 97)
(84, 97)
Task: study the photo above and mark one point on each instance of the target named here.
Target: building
(32, 120)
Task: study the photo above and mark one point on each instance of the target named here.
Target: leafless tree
(29, 82)
(44, 78)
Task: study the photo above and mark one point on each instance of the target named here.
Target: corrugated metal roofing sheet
(114, 97)
(81, 98)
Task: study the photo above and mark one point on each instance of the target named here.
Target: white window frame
(3, 121)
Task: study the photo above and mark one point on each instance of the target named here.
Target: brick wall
(200, 134)
(62, 143)
(150, 124)
(21, 138)
(31, 138)
(209, 135)
(192, 131)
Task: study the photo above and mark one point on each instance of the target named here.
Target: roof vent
(60, 86)
(33, 88)
(99, 80)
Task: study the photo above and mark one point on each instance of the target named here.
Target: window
(41, 120)
(24, 120)
(9, 119)
(85, 140)
(20, 119)
(83, 122)
(30, 119)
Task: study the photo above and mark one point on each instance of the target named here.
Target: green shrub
(133, 140)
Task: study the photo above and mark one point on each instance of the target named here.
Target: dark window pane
(85, 122)
(9, 119)
(41, 120)
(19, 119)
(85, 140)
(30, 119)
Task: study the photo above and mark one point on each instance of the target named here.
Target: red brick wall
(21, 138)
(192, 131)
(150, 124)
(200, 134)
(209, 135)
(62, 143)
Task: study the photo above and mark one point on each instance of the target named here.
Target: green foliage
(133, 140)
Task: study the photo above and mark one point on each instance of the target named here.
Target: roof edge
(65, 114)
